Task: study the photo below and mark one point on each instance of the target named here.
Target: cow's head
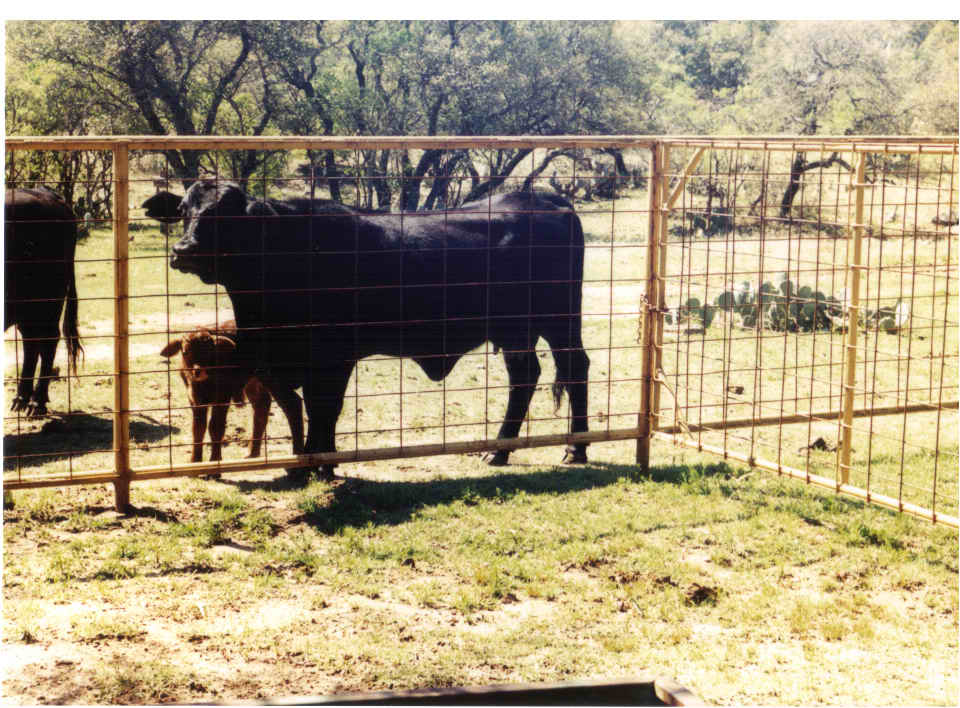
(218, 222)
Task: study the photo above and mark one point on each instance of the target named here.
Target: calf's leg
(259, 399)
(218, 427)
(199, 430)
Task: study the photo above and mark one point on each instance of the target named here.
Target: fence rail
(808, 281)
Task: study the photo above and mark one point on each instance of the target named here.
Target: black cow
(40, 238)
(317, 286)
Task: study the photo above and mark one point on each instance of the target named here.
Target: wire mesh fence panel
(560, 306)
(782, 287)
(388, 298)
(58, 311)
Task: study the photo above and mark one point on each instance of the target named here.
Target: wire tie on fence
(678, 420)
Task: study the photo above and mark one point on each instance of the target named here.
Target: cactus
(786, 307)
(726, 301)
(690, 310)
(707, 314)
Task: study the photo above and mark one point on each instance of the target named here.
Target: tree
(461, 78)
(830, 78)
(163, 77)
(930, 74)
(40, 101)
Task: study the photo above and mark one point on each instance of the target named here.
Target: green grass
(700, 571)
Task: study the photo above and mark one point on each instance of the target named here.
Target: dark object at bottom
(638, 692)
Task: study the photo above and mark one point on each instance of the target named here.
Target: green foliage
(458, 78)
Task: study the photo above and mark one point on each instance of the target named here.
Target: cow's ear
(171, 348)
(231, 201)
(259, 208)
(163, 206)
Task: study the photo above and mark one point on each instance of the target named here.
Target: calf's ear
(171, 348)
(224, 345)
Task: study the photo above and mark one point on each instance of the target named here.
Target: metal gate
(788, 303)
(806, 294)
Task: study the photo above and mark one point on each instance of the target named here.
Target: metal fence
(790, 303)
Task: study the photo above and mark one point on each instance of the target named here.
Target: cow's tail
(71, 333)
(557, 390)
(576, 299)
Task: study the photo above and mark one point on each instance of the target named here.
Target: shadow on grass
(14, 514)
(75, 434)
(357, 503)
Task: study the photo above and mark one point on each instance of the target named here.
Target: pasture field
(744, 587)
(741, 586)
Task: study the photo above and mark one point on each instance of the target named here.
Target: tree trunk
(380, 184)
(799, 166)
(332, 173)
(530, 182)
(482, 189)
(797, 169)
(413, 178)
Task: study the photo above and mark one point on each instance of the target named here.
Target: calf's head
(220, 224)
(202, 351)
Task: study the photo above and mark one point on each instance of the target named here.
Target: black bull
(39, 239)
(317, 286)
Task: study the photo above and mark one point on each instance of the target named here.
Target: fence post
(121, 306)
(854, 267)
(650, 314)
(665, 204)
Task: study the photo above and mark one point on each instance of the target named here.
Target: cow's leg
(48, 352)
(31, 352)
(292, 406)
(323, 393)
(572, 370)
(199, 430)
(523, 370)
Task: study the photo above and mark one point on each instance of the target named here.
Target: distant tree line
(458, 77)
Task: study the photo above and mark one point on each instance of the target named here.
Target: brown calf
(213, 379)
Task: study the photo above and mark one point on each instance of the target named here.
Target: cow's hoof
(299, 476)
(325, 473)
(36, 410)
(498, 458)
(573, 456)
(19, 403)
